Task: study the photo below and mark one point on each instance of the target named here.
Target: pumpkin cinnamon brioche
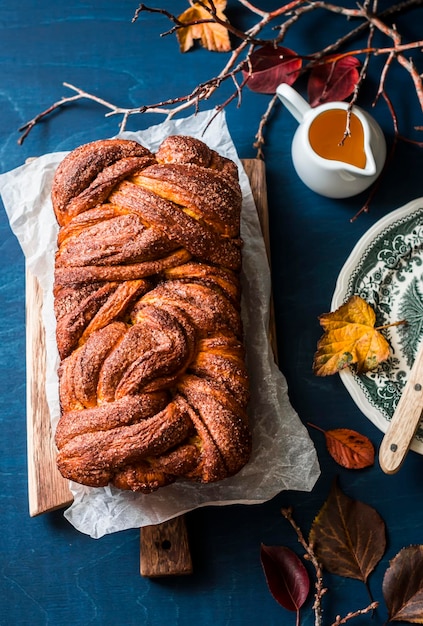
(153, 384)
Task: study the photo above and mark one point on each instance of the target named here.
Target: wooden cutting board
(164, 548)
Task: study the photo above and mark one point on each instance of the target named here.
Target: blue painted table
(50, 573)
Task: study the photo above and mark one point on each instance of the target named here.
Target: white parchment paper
(283, 454)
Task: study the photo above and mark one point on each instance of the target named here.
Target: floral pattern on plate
(385, 268)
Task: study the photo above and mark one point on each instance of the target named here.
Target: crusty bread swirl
(153, 383)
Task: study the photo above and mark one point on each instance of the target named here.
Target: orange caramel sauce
(326, 135)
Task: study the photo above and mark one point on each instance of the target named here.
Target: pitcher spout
(370, 167)
(367, 167)
(350, 173)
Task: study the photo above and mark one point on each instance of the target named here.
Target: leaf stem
(316, 427)
(384, 326)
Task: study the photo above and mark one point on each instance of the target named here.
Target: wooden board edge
(256, 172)
(47, 489)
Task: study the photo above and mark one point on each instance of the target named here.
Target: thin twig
(388, 161)
(343, 620)
(239, 61)
(320, 589)
(259, 143)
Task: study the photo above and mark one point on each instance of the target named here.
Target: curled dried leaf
(403, 586)
(212, 35)
(350, 337)
(348, 536)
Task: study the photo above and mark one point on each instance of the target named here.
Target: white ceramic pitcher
(328, 162)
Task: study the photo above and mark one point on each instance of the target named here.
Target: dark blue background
(50, 573)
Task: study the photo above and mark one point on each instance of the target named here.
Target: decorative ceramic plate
(385, 268)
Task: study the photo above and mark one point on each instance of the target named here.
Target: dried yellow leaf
(212, 36)
(350, 337)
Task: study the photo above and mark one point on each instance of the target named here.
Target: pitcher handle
(295, 103)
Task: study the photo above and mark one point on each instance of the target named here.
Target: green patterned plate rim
(385, 268)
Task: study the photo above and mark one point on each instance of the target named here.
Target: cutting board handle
(164, 549)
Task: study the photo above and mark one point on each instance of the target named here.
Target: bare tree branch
(238, 67)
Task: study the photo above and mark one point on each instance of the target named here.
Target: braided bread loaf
(153, 385)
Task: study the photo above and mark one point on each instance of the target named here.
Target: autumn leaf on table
(332, 80)
(269, 66)
(350, 337)
(403, 586)
(349, 448)
(348, 536)
(212, 36)
(286, 576)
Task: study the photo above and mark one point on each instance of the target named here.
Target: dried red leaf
(270, 66)
(403, 586)
(348, 447)
(333, 80)
(286, 576)
(348, 536)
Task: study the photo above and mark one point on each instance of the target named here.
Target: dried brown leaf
(403, 586)
(212, 36)
(348, 536)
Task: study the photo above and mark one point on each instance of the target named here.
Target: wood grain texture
(164, 549)
(47, 489)
(405, 420)
(256, 172)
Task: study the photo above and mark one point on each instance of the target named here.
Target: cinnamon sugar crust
(153, 383)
